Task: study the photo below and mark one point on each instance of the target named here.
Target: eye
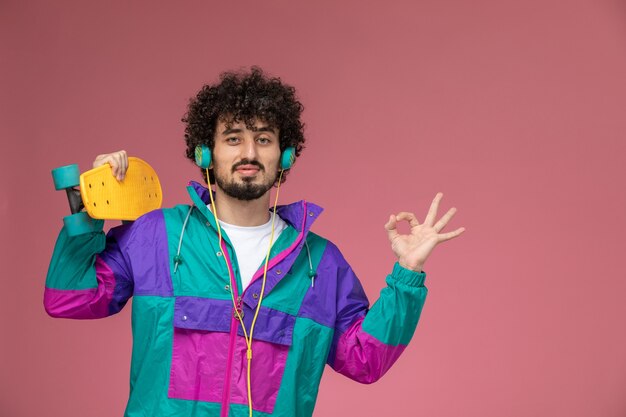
(263, 140)
(232, 140)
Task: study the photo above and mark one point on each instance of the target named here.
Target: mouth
(247, 170)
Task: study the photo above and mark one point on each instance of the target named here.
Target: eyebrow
(260, 129)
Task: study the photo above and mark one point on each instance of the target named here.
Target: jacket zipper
(234, 322)
(234, 325)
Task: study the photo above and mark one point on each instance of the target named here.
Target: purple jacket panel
(338, 299)
(147, 254)
(197, 313)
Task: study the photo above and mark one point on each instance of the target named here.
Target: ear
(288, 158)
(203, 157)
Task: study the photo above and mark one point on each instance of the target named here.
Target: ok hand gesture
(414, 248)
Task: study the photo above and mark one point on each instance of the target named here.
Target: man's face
(245, 161)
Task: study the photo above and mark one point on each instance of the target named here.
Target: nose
(249, 150)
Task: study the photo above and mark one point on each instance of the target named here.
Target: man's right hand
(118, 161)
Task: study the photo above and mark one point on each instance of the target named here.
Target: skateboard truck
(102, 196)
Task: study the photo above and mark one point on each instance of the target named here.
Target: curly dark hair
(244, 97)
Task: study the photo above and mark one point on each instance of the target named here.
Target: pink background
(515, 110)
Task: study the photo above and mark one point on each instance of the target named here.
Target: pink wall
(515, 110)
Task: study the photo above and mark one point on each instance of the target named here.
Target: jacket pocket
(201, 358)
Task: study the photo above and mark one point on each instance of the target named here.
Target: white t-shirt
(251, 245)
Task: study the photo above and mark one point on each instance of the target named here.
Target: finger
(444, 220)
(410, 217)
(102, 159)
(118, 165)
(121, 168)
(122, 164)
(390, 226)
(125, 164)
(113, 163)
(450, 235)
(108, 159)
(432, 212)
(99, 160)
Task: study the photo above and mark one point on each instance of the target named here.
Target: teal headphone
(203, 157)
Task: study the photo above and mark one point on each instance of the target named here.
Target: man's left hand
(414, 248)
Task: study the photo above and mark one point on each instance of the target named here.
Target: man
(236, 310)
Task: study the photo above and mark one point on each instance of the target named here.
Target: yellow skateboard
(104, 197)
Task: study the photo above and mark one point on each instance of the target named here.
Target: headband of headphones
(203, 157)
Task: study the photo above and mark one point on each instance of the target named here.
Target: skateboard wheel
(66, 177)
(81, 223)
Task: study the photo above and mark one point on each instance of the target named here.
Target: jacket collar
(291, 213)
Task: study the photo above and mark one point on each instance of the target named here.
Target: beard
(246, 190)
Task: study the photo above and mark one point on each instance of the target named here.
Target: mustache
(248, 162)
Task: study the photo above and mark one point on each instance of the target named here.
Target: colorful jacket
(189, 355)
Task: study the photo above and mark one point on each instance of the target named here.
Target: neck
(242, 213)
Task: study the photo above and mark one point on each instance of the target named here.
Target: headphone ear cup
(288, 158)
(203, 156)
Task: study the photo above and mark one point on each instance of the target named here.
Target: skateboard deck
(107, 198)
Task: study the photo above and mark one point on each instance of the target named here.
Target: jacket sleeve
(89, 275)
(366, 343)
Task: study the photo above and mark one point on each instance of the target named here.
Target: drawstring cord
(312, 273)
(179, 259)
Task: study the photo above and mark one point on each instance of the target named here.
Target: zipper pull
(238, 312)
